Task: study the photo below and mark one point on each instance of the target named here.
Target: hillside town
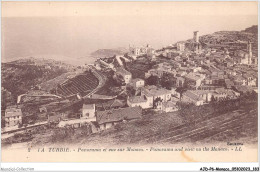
(145, 80)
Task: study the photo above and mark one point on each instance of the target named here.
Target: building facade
(13, 116)
(88, 111)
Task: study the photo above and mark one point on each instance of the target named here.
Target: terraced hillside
(82, 84)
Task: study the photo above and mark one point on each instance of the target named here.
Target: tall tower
(250, 54)
(196, 36)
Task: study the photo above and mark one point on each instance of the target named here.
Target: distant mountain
(109, 52)
(219, 37)
(48, 57)
(42, 62)
(239, 37)
(229, 36)
(253, 29)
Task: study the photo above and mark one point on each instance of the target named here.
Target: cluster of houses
(101, 119)
(134, 51)
(206, 74)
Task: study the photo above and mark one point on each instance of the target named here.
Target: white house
(137, 83)
(221, 93)
(108, 118)
(190, 97)
(167, 106)
(127, 76)
(194, 79)
(152, 93)
(205, 95)
(250, 80)
(141, 101)
(180, 46)
(13, 116)
(88, 112)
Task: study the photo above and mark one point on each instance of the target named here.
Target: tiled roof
(221, 90)
(137, 99)
(193, 76)
(88, 106)
(112, 104)
(98, 96)
(192, 96)
(229, 82)
(169, 104)
(154, 91)
(13, 111)
(117, 103)
(119, 114)
(239, 78)
(217, 77)
(242, 88)
(228, 92)
(200, 92)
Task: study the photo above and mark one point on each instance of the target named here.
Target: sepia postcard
(129, 81)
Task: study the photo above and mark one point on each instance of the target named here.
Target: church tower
(196, 36)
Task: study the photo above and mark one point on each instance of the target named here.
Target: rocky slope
(22, 75)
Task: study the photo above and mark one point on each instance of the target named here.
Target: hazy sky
(75, 29)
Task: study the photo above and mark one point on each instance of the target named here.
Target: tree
(168, 81)
(181, 90)
(158, 99)
(253, 96)
(187, 111)
(130, 91)
(153, 80)
(58, 86)
(53, 91)
(20, 125)
(213, 99)
(2, 122)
